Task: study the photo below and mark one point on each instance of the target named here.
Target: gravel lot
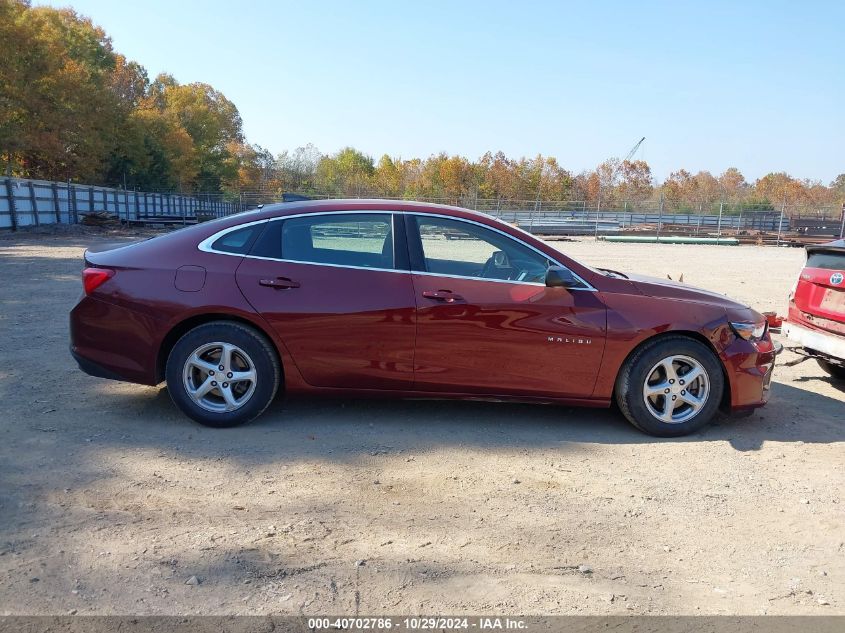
(111, 501)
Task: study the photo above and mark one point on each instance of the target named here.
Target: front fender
(634, 319)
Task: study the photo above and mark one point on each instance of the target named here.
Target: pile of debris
(100, 218)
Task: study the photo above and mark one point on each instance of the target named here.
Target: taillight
(93, 278)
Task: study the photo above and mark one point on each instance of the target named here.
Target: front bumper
(750, 367)
(823, 342)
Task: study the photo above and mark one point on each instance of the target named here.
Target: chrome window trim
(297, 261)
(497, 281)
(205, 246)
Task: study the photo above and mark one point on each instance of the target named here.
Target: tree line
(71, 107)
(496, 177)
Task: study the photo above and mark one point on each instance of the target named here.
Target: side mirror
(560, 277)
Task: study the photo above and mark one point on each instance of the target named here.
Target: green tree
(297, 170)
(387, 178)
(213, 124)
(346, 173)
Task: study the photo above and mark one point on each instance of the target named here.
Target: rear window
(826, 260)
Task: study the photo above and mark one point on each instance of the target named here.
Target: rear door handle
(279, 283)
(443, 296)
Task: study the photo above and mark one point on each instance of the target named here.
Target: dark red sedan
(376, 297)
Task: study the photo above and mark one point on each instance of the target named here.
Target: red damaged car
(403, 299)
(816, 318)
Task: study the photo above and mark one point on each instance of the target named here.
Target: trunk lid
(97, 254)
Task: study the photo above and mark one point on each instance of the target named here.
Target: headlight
(749, 331)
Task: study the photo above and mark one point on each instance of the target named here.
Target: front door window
(452, 247)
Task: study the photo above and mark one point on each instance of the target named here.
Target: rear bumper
(93, 369)
(110, 341)
(825, 343)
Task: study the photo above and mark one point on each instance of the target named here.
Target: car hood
(668, 289)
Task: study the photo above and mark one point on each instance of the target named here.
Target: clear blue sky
(756, 85)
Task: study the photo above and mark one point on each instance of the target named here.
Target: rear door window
(362, 240)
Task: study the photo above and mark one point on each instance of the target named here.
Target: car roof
(364, 204)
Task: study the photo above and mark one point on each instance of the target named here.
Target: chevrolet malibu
(403, 299)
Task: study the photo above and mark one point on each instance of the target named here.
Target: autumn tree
(678, 188)
(837, 187)
(706, 191)
(411, 174)
(778, 188)
(636, 183)
(256, 169)
(607, 175)
(587, 186)
(733, 185)
(456, 178)
(496, 176)
(58, 116)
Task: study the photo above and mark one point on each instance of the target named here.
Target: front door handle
(279, 283)
(443, 296)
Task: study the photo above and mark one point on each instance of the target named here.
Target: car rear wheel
(670, 387)
(222, 373)
(837, 372)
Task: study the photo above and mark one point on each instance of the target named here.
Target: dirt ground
(111, 501)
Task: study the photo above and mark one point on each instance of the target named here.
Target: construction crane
(623, 161)
(634, 149)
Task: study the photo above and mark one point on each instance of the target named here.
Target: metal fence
(581, 217)
(37, 202)
(831, 212)
(553, 222)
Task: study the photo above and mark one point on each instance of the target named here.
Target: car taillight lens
(93, 278)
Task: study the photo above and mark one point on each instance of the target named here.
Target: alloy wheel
(676, 389)
(219, 377)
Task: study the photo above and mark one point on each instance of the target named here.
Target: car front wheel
(222, 373)
(670, 387)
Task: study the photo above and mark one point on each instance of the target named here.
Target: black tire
(837, 372)
(253, 343)
(634, 374)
